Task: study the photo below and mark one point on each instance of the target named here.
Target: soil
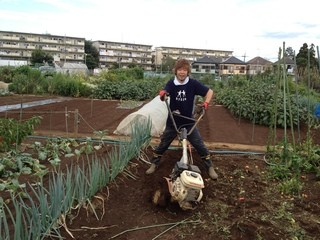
(244, 203)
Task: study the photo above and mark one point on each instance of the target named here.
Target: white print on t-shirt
(181, 96)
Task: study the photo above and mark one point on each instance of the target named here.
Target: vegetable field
(250, 200)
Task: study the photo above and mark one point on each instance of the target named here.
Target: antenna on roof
(244, 57)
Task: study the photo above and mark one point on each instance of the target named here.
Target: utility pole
(244, 57)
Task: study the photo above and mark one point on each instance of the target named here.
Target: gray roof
(233, 60)
(208, 60)
(259, 61)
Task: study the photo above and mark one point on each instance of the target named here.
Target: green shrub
(12, 131)
(128, 89)
(64, 85)
(6, 74)
(260, 102)
(30, 83)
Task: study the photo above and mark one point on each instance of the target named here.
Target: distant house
(206, 65)
(258, 65)
(288, 63)
(232, 66)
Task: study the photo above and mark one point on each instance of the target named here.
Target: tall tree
(302, 58)
(305, 58)
(92, 55)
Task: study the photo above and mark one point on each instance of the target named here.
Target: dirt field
(242, 204)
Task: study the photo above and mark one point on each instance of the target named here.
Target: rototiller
(185, 183)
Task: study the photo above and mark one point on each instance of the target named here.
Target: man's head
(182, 69)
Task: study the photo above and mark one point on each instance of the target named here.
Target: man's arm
(208, 96)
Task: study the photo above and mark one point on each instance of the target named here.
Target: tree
(302, 58)
(92, 55)
(39, 56)
(289, 53)
(307, 66)
(168, 64)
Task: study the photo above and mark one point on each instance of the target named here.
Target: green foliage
(6, 74)
(255, 100)
(13, 164)
(302, 58)
(167, 64)
(64, 85)
(40, 56)
(206, 79)
(127, 73)
(12, 131)
(113, 88)
(39, 213)
(27, 81)
(31, 81)
(126, 84)
(286, 162)
(25, 70)
(92, 55)
(292, 186)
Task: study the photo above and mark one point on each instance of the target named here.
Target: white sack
(156, 110)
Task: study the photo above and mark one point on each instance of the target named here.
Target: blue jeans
(194, 138)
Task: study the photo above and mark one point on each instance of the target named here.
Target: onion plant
(37, 215)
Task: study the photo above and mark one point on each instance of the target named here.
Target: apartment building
(191, 54)
(124, 54)
(18, 46)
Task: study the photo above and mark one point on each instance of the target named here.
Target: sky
(249, 28)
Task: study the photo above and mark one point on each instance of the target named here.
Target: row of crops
(37, 209)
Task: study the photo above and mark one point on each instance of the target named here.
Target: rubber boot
(151, 169)
(154, 164)
(212, 173)
(208, 162)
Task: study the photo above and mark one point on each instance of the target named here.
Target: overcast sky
(247, 27)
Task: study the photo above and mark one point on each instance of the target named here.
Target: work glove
(205, 105)
(163, 94)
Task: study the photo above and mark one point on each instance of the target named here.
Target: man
(182, 91)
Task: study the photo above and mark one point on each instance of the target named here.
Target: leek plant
(41, 211)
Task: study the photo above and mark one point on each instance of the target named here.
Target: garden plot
(242, 204)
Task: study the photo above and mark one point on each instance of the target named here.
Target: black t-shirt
(182, 98)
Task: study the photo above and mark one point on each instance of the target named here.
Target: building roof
(208, 60)
(259, 61)
(233, 60)
(43, 35)
(201, 49)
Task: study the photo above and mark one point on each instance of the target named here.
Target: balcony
(50, 48)
(29, 39)
(49, 40)
(80, 43)
(10, 38)
(16, 54)
(10, 46)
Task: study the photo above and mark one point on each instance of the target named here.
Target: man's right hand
(163, 94)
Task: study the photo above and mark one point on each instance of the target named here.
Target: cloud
(283, 35)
